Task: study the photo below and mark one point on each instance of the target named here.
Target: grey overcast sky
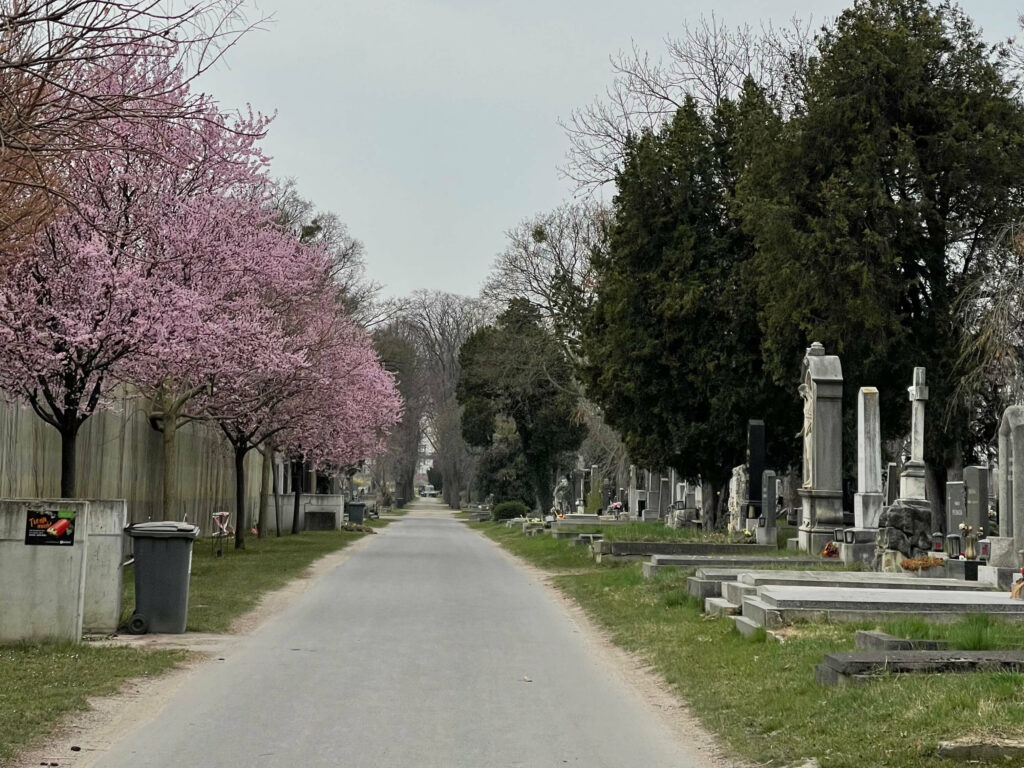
(431, 126)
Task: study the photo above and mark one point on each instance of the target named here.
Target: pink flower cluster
(162, 267)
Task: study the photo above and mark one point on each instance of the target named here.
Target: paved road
(411, 653)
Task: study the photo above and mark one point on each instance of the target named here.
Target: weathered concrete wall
(42, 588)
(102, 608)
(121, 457)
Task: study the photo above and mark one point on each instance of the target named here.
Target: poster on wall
(50, 527)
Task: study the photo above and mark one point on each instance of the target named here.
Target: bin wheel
(138, 624)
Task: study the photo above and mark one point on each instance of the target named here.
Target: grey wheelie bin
(163, 562)
(356, 511)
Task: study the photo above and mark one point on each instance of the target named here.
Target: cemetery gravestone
(755, 466)
(821, 493)
(859, 542)
(956, 508)
(767, 529)
(1011, 489)
(905, 527)
(976, 483)
(867, 503)
(912, 481)
(892, 483)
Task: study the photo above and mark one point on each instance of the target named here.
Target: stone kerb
(42, 588)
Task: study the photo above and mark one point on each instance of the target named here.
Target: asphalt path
(427, 647)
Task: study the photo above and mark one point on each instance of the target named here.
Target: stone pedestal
(1001, 552)
(767, 532)
(858, 546)
(822, 514)
(866, 509)
(912, 481)
(1000, 578)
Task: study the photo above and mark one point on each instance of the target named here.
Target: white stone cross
(918, 397)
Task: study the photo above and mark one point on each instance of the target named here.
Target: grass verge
(223, 588)
(760, 697)
(42, 683)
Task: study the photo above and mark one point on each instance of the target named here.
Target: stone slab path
(427, 647)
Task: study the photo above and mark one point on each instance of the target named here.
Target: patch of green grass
(544, 551)
(43, 682)
(763, 700)
(223, 588)
(760, 697)
(975, 633)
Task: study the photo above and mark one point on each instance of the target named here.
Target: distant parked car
(428, 490)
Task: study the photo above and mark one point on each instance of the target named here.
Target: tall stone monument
(755, 466)
(859, 542)
(867, 503)
(1011, 490)
(904, 527)
(912, 481)
(822, 490)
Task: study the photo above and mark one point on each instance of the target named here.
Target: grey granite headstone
(956, 509)
(976, 482)
(769, 495)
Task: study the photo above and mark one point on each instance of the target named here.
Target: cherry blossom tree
(333, 406)
(102, 285)
(57, 59)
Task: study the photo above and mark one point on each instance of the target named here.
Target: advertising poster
(50, 527)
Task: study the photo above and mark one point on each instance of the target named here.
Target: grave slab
(775, 606)
(661, 562)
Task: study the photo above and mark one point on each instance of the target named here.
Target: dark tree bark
(68, 465)
(240, 522)
(297, 467)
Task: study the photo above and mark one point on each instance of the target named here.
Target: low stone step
(745, 626)
(735, 591)
(702, 589)
(719, 606)
(761, 613)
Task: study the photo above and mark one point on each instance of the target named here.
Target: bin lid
(163, 529)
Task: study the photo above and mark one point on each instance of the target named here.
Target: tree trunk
(169, 503)
(265, 483)
(240, 521)
(707, 504)
(68, 465)
(297, 487)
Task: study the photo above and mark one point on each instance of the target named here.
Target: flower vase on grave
(971, 546)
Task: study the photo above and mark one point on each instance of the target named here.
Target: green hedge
(506, 510)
